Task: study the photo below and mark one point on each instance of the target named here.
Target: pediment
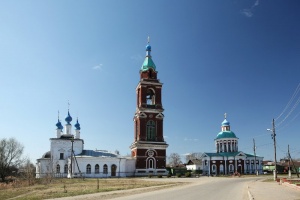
(160, 116)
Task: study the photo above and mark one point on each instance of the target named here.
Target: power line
(290, 101)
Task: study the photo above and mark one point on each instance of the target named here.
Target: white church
(60, 162)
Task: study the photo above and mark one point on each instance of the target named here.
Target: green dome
(226, 134)
(148, 63)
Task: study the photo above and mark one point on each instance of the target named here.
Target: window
(213, 168)
(151, 163)
(231, 167)
(66, 168)
(61, 156)
(151, 130)
(57, 168)
(113, 170)
(105, 169)
(88, 169)
(97, 169)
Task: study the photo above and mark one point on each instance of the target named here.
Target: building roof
(194, 162)
(225, 134)
(226, 154)
(97, 153)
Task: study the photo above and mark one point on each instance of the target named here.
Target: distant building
(228, 159)
(194, 164)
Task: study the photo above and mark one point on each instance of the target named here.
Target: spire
(148, 62)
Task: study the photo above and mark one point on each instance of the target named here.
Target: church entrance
(113, 170)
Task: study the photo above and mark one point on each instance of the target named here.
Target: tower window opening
(150, 97)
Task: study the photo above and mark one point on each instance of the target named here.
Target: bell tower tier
(149, 147)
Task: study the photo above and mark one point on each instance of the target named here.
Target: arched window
(57, 168)
(150, 163)
(66, 168)
(151, 133)
(113, 170)
(88, 169)
(213, 168)
(105, 169)
(150, 97)
(231, 168)
(221, 169)
(96, 169)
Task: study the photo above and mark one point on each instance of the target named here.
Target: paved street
(205, 188)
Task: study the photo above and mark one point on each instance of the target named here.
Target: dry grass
(71, 187)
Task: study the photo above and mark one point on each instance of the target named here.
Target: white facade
(59, 162)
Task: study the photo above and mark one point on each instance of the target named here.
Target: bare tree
(28, 171)
(193, 156)
(10, 156)
(174, 159)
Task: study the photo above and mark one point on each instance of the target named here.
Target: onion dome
(225, 123)
(77, 125)
(68, 119)
(58, 125)
(148, 62)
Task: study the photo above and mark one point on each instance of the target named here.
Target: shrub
(188, 174)
(159, 176)
(150, 175)
(169, 175)
(178, 175)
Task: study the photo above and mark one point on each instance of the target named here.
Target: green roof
(227, 154)
(148, 63)
(225, 134)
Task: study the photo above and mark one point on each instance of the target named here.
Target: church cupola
(59, 128)
(77, 130)
(68, 126)
(68, 118)
(225, 124)
(226, 140)
(148, 69)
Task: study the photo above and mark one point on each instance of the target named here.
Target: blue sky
(235, 56)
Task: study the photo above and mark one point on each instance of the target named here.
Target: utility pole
(72, 140)
(290, 174)
(254, 148)
(274, 140)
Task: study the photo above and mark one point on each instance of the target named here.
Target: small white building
(194, 164)
(60, 162)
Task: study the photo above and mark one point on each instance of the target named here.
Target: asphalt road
(201, 188)
(225, 188)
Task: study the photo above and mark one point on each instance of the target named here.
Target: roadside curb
(250, 195)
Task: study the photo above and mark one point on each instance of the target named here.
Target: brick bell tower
(149, 147)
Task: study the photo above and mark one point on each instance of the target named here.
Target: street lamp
(274, 140)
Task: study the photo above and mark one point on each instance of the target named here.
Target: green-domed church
(228, 159)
